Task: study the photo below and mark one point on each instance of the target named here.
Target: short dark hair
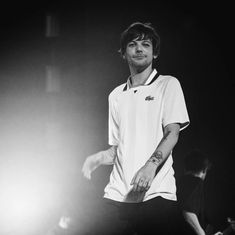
(196, 161)
(140, 31)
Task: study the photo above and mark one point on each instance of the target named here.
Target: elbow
(174, 134)
(176, 137)
(171, 133)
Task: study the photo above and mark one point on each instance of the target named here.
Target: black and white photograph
(117, 118)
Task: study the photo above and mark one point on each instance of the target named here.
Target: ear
(123, 56)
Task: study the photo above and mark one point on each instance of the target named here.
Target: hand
(231, 222)
(218, 233)
(90, 164)
(144, 177)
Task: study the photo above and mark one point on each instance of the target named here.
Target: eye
(131, 44)
(146, 44)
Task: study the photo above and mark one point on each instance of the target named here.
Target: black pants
(155, 216)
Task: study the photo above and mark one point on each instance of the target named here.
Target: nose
(139, 48)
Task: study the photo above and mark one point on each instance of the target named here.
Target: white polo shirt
(136, 120)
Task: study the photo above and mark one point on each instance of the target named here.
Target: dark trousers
(155, 216)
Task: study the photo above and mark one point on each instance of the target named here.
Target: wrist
(152, 164)
(99, 158)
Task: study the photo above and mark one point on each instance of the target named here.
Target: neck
(139, 78)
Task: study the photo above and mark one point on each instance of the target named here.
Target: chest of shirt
(140, 101)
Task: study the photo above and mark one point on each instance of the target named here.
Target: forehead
(138, 36)
(140, 39)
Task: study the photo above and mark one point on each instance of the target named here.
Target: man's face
(139, 53)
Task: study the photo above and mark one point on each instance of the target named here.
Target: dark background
(197, 48)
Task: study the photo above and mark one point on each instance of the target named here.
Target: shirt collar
(150, 79)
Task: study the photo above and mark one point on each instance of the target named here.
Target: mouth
(139, 57)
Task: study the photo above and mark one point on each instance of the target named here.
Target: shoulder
(116, 91)
(169, 84)
(189, 184)
(169, 80)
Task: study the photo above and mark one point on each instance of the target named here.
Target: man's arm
(105, 157)
(192, 220)
(144, 177)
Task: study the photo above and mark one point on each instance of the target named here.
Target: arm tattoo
(156, 158)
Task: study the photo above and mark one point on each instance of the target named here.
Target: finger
(133, 179)
(135, 186)
(149, 185)
(84, 167)
(135, 183)
(145, 186)
(87, 174)
(140, 185)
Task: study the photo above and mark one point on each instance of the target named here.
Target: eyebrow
(143, 40)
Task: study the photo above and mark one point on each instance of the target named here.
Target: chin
(141, 66)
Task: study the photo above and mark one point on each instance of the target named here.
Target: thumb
(87, 175)
(133, 179)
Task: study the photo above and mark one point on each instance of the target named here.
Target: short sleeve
(175, 110)
(113, 124)
(193, 203)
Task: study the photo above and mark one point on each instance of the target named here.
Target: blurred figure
(190, 194)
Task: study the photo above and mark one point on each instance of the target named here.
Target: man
(190, 193)
(146, 115)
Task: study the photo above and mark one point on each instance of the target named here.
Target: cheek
(127, 56)
(129, 52)
(150, 53)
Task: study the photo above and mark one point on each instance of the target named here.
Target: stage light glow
(20, 204)
(27, 196)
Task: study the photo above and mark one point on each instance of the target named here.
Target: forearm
(145, 175)
(166, 145)
(107, 157)
(193, 222)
